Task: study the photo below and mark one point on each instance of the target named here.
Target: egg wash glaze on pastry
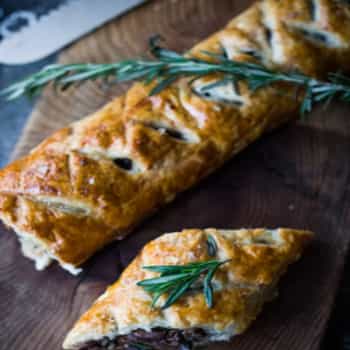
(93, 181)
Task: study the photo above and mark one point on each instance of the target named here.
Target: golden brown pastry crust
(258, 258)
(92, 182)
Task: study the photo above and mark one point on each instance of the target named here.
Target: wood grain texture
(297, 176)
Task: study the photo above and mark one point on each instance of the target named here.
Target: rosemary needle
(212, 246)
(166, 66)
(141, 346)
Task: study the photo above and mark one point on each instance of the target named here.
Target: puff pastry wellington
(93, 181)
(123, 317)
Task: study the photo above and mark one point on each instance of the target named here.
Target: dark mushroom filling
(157, 339)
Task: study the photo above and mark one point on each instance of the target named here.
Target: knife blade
(60, 27)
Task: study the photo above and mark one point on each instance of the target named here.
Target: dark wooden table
(13, 118)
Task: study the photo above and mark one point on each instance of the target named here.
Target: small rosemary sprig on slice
(176, 280)
(167, 66)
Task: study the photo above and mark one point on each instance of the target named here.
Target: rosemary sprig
(176, 280)
(166, 66)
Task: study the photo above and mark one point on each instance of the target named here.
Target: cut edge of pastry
(35, 249)
(187, 338)
(101, 333)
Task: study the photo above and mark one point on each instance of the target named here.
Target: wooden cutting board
(298, 176)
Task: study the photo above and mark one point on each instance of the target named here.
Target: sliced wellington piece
(245, 267)
(95, 180)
